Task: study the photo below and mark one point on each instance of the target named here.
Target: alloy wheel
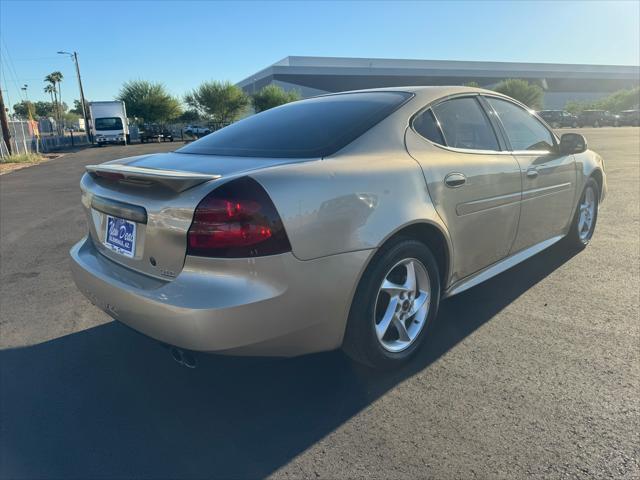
(587, 214)
(402, 305)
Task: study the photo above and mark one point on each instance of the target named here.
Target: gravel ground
(536, 373)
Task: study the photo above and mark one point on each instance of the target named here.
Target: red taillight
(237, 220)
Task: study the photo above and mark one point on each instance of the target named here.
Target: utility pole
(74, 57)
(5, 124)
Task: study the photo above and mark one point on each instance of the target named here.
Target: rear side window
(465, 125)
(425, 124)
(524, 131)
(316, 127)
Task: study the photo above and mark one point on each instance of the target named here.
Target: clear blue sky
(184, 43)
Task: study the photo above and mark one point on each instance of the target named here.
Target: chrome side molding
(499, 267)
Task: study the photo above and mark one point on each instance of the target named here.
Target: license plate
(121, 236)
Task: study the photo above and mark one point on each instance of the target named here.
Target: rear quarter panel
(353, 200)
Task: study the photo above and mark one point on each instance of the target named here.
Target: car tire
(574, 125)
(386, 324)
(584, 220)
(596, 124)
(555, 125)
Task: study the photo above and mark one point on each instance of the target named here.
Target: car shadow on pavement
(107, 402)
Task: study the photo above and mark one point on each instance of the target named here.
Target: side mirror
(572, 143)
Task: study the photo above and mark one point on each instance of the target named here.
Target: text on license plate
(121, 236)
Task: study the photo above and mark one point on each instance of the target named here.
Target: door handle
(455, 180)
(532, 173)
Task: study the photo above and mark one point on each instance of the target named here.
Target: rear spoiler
(176, 180)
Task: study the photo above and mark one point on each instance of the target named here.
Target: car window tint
(522, 128)
(425, 124)
(310, 128)
(465, 125)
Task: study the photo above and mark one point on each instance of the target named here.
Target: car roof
(427, 93)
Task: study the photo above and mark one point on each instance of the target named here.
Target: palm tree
(55, 78)
(50, 89)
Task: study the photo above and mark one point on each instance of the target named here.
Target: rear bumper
(275, 305)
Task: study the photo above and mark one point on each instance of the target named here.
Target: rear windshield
(109, 123)
(316, 127)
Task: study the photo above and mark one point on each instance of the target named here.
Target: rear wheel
(584, 221)
(395, 304)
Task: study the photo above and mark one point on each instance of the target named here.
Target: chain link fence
(24, 139)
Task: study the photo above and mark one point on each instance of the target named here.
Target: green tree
(38, 109)
(189, 116)
(616, 102)
(222, 102)
(529, 94)
(55, 79)
(71, 117)
(22, 109)
(50, 89)
(77, 108)
(149, 101)
(45, 109)
(272, 96)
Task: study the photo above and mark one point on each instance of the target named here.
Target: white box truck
(109, 123)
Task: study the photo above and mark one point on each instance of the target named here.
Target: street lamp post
(74, 57)
(28, 105)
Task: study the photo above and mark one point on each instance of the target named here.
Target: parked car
(559, 118)
(336, 221)
(596, 118)
(196, 130)
(155, 133)
(630, 117)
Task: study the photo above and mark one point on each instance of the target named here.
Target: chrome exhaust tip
(184, 358)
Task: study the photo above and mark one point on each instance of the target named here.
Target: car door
(548, 177)
(475, 185)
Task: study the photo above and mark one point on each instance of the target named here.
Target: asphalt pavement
(535, 373)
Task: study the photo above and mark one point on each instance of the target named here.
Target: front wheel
(395, 304)
(584, 221)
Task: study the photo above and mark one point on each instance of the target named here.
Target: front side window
(522, 128)
(109, 123)
(465, 125)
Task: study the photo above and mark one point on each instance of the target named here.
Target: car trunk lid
(150, 201)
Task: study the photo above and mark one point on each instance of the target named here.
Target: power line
(34, 59)
(11, 67)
